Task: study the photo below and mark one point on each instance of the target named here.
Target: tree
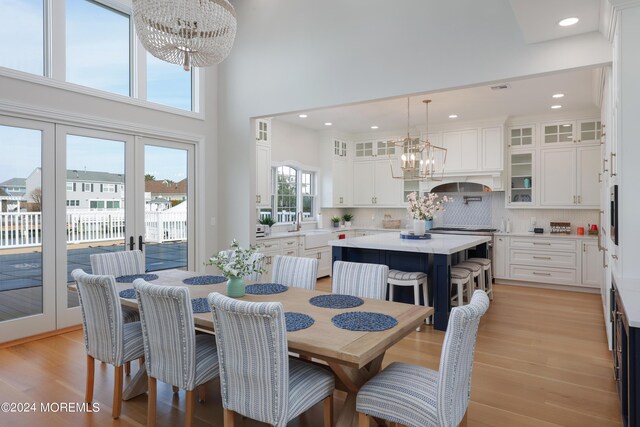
(36, 196)
(149, 177)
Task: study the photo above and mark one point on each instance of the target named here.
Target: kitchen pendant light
(191, 33)
(420, 160)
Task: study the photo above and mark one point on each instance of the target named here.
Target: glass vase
(428, 224)
(235, 287)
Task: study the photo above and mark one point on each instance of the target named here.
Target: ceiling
(538, 19)
(524, 97)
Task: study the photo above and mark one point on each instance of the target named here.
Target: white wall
(291, 142)
(293, 56)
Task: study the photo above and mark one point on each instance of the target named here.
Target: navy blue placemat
(336, 301)
(364, 321)
(132, 277)
(200, 305)
(415, 237)
(128, 293)
(297, 321)
(265, 289)
(204, 280)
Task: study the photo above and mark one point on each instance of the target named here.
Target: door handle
(140, 242)
(579, 200)
(611, 156)
(599, 177)
(132, 243)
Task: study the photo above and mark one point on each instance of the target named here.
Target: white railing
(24, 229)
(283, 216)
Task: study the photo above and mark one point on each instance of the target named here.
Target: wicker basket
(393, 224)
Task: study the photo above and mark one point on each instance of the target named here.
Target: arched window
(294, 190)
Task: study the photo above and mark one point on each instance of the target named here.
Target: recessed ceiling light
(453, 116)
(555, 107)
(302, 116)
(558, 95)
(374, 127)
(567, 22)
(328, 124)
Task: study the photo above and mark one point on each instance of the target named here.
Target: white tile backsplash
(488, 212)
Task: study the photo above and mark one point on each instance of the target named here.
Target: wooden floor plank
(541, 360)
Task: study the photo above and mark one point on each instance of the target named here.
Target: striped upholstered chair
(106, 336)
(257, 377)
(295, 271)
(360, 279)
(415, 396)
(122, 263)
(174, 354)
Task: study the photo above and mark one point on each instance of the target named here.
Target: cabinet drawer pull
(541, 274)
(579, 200)
(574, 200)
(614, 256)
(541, 257)
(290, 253)
(542, 243)
(290, 243)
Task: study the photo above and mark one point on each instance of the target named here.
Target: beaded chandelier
(191, 33)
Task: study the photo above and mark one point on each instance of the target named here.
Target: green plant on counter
(267, 220)
(335, 219)
(347, 217)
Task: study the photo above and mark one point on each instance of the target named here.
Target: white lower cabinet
(548, 259)
(272, 247)
(323, 255)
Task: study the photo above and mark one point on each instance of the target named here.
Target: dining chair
(297, 272)
(106, 336)
(416, 396)
(257, 377)
(360, 279)
(174, 354)
(120, 263)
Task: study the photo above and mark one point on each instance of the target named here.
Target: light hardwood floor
(541, 360)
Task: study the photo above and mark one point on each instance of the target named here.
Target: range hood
(467, 184)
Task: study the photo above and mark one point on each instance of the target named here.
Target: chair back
(123, 263)
(168, 333)
(254, 363)
(360, 279)
(295, 271)
(456, 360)
(102, 322)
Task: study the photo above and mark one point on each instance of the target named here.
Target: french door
(85, 192)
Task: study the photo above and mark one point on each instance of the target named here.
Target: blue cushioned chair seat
(401, 393)
(130, 315)
(308, 384)
(133, 345)
(207, 367)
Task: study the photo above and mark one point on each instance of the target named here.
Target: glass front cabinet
(521, 174)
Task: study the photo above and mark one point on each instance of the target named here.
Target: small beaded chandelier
(191, 33)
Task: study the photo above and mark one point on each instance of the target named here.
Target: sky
(97, 56)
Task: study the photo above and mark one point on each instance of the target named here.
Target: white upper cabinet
(367, 150)
(263, 176)
(522, 137)
(588, 186)
(363, 183)
(336, 173)
(463, 151)
(263, 131)
(558, 133)
(589, 131)
(491, 150)
(558, 177)
(373, 184)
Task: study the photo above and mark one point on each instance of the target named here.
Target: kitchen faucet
(298, 224)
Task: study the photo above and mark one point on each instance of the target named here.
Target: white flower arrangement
(237, 262)
(425, 207)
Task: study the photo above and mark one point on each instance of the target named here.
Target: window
(87, 187)
(168, 84)
(71, 186)
(113, 204)
(294, 191)
(108, 188)
(98, 47)
(96, 204)
(22, 35)
(73, 202)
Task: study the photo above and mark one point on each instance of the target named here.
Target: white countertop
(546, 235)
(285, 234)
(629, 291)
(438, 244)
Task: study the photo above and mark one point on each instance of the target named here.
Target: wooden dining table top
(322, 340)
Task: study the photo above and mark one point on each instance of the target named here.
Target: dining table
(353, 356)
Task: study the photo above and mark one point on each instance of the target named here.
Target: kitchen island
(433, 256)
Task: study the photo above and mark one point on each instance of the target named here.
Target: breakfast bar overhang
(432, 256)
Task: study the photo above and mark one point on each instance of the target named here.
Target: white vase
(418, 227)
(347, 224)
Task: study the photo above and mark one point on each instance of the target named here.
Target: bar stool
(476, 273)
(461, 278)
(415, 279)
(485, 263)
